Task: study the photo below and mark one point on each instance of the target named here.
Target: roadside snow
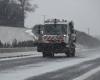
(18, 55)
(31, 34)
(8, 34)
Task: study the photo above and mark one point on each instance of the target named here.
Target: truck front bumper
(52, 47)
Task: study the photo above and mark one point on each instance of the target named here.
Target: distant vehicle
(57, 36)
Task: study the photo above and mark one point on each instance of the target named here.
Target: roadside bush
(1, 44)
(17, 44)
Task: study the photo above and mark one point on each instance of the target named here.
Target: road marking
(20, 56)
(80, 68)
(88, 74)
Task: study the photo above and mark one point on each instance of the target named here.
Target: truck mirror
(39, 30)
(72, 30)
(71, 27)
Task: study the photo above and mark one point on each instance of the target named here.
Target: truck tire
(70, 53)
(50, 54)
(44, 54)
(74, 52)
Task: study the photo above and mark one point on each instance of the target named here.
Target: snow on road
(88, 74)
(23, 72)
(18, 55)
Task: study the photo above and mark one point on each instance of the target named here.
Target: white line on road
(88, 74)
(20, 55)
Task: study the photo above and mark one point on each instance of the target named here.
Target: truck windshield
(52, 29)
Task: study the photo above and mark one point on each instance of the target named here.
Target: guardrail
(11, 50)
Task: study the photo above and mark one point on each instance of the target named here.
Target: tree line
(18, 44)
(13, 12)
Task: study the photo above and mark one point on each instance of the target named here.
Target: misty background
(19, 17)
(84, 13)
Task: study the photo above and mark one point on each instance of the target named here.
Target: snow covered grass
(11, 50)
(18, 55)
(8, 34)
(14, 53)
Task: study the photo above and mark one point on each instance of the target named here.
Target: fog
(84, 13)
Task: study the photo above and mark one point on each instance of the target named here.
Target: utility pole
(88, 31)
(44, 16)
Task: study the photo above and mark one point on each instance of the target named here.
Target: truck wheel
(73, 52)
(50, 54)
(68, 54)
(44, 54)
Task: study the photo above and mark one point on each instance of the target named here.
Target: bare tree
(27, 6)
(13, 12)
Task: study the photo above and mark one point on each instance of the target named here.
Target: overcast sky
(84, 13)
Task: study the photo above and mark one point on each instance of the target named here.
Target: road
(85, 66)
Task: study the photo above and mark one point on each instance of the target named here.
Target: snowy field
(8, 34)
(12, 50)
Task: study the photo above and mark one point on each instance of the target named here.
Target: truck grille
(57, 47)
(52, 38)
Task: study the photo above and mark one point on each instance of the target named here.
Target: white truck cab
(57, 36)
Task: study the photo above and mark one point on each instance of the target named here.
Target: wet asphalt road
(10, 64)
(72, 72)
(69, 73)
(95, 76)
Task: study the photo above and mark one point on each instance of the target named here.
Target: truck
(56, 36)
